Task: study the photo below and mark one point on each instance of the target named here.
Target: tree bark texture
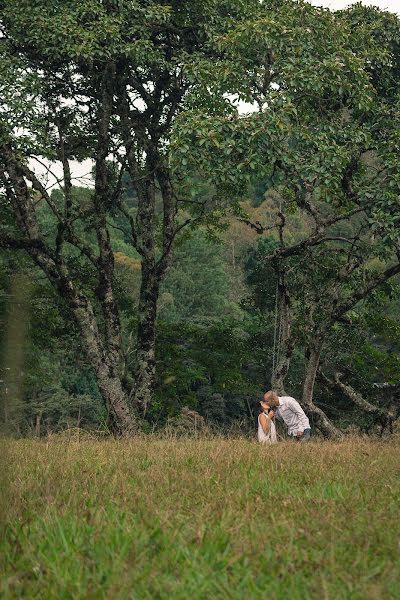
(146, 340)
(318, 417)
(385, 417)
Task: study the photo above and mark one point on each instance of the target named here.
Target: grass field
(194, 519)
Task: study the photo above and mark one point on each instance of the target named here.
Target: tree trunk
(101, 199)
(319, 418)
(146, 340)
(144, 233)
(121, 418)
(153, 272)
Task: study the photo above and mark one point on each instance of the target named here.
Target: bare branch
(260, 229)
(161, 263)
(131, 221)
(48, 170)
(354, 396)
(316, 238)
(363, 291)
(67, 177)
(65, 225)
(8, 242)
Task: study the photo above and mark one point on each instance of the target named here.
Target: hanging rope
(276, 333)
(278, 320)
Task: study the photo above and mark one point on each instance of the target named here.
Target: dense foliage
(215, 253)
(215, 338)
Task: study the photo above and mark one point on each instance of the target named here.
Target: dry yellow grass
(153, 518)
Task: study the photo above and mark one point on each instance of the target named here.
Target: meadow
(152, 518)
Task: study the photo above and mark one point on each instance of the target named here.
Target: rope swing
(277, 333)
(278, 321)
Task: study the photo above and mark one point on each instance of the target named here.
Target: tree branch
(363, 292)
(8, 242)
(65, 223)
(354, 396)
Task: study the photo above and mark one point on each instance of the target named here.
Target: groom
(290, 411)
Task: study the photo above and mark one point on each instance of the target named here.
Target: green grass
(196, 519)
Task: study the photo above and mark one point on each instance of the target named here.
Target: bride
(266, 426)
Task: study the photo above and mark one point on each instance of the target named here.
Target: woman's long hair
(258, 409)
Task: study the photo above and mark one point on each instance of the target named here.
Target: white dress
(266, 438)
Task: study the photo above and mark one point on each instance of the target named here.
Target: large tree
(105, 81)
(326, 137)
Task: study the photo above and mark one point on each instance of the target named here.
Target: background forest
(215, 332)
